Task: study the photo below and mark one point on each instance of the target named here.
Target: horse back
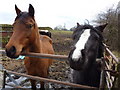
(47, 46)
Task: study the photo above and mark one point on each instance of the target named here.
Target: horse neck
(100, 50)
(35, 43)
(93, 62)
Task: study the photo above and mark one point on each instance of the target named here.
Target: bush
(111, 31)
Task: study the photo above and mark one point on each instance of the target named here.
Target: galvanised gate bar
(106, 70)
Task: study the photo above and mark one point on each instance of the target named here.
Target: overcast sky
(56, 12)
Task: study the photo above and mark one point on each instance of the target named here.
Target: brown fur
(29, 40)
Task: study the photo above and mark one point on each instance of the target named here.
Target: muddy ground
(59, 70)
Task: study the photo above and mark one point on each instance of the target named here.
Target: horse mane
(86, 26)
(80, 28)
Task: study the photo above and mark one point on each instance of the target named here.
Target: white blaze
(80, 45)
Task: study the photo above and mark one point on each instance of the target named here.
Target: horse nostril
(13, 49)
(11, 52)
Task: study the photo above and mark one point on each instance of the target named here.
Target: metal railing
(39, 55)
(110, 67)
(106, 70)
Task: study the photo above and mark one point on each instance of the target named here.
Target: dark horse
(45, 32)
(26, 38)
(87, 48)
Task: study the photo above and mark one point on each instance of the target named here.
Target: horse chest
(87, 77)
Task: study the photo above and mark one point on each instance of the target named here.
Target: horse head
(87, 40)
(24, 28)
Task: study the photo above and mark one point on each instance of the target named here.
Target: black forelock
(86, 26)
(81, 28)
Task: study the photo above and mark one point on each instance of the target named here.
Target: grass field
(61, 41)
(117, 54)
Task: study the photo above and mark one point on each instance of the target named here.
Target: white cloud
(56, 12)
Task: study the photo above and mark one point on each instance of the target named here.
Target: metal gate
(109, 71)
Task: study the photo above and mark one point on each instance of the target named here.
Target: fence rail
(112, 55)
(50, 80)
(63, 58)
(111, 65)
(41, 55)
(38, 55)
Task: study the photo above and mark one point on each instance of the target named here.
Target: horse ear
(78, 24)
(31, 10)
(17, 10)
(101, 27)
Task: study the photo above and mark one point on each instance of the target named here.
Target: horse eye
(29, 26)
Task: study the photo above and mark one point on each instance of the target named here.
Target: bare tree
(111, 33)
(118, 10)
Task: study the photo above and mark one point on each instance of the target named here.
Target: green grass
(116, 53)
(61, 41)
(61, 31)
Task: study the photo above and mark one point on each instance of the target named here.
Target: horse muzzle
(76, 65)
(11, 52)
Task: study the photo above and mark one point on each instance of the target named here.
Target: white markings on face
(80, 45)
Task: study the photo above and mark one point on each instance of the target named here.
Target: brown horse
(26, 38)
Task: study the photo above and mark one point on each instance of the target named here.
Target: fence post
(0, 36)
(102, 77)
(4, 79)
(118, 8)
(118, 69)
(118, 66)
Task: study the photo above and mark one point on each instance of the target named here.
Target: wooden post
(102, 77)
(118, 69)
(4, 79)
(118, 66)
(1, 36)
(118, 27)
